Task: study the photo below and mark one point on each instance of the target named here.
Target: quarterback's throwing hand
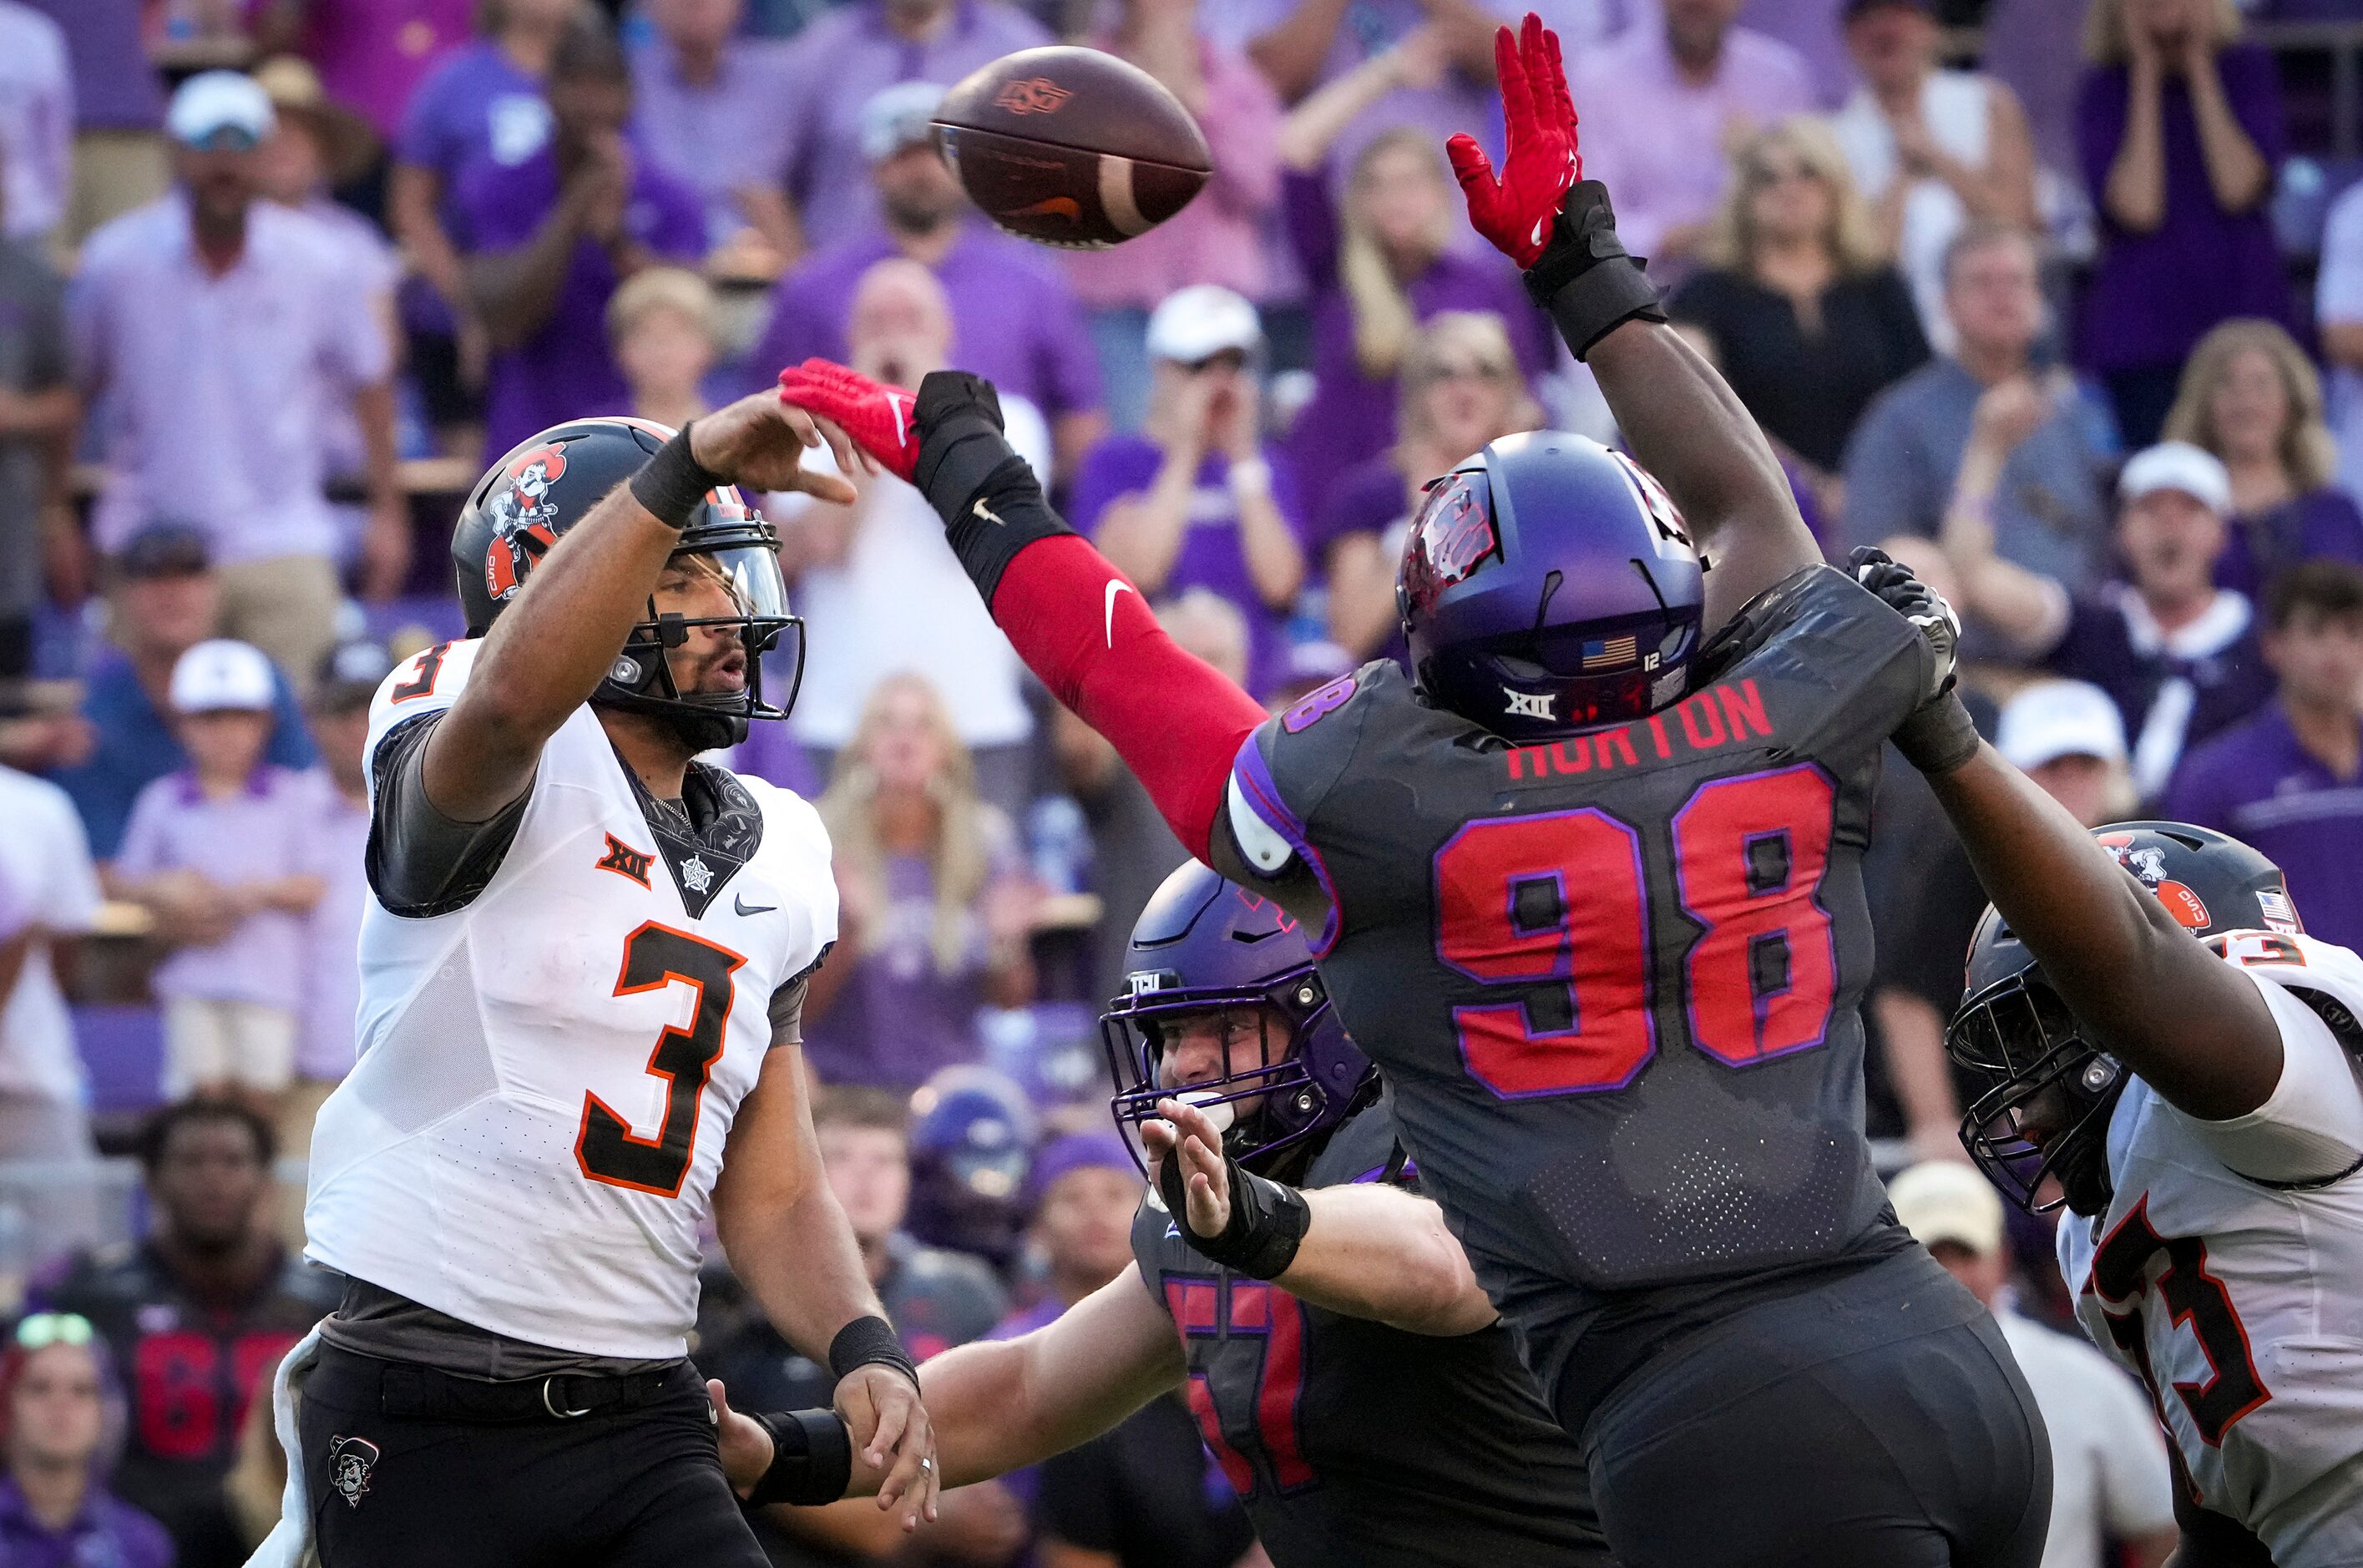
(880, 1405)
(760, 442)
(1515, 211)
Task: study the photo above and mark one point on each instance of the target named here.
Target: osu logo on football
(521, 517)
(1036, 95)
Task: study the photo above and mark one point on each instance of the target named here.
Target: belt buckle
(549, 1405)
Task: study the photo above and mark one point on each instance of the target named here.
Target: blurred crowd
(2059, 301)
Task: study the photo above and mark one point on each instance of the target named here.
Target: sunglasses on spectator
(43, 1330)
(1781, 173)
(1467, 370)
(1229, 359)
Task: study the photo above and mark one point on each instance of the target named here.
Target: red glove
(1515, 212)
(878, 417)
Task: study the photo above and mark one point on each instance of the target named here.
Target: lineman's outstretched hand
(1940, 736)
(744, 1446)
(1188, 1135)
(760, 442)
(1516, 211)
(880, 416)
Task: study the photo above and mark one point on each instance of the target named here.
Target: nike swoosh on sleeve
(1116, 585)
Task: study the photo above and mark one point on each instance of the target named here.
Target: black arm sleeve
(420, 863)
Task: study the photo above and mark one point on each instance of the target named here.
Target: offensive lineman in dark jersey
(1589, 893)
(1364, 1399)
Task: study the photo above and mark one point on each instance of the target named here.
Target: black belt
(407, 1388)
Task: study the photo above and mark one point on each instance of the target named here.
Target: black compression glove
(1268, 1220)
(1940, 736)
(812, 1459)
(990, 500)
(1584, 278)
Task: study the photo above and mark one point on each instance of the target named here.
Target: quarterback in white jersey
(2166, 1056)
(582, 969)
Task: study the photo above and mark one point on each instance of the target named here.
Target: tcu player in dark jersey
(1588, 890)
(1357, 1388)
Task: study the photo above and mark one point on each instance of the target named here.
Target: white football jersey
(2227, 1273)
(548, 1075)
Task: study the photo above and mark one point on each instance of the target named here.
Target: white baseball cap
(1942, 1200)
(2177, 465)
(215, 103)
(899, 116)
(2052, 719)
(1201, 321)
(224, 675)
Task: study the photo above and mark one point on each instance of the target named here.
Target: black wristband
(1268, 1220)
(670, 485)
(989, 497)
(868, 1341)
(1585, 278)
(812, 1459)
(1940, 735)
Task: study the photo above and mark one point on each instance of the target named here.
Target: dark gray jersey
(1614, 981)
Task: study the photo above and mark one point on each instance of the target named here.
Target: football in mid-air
(1072, 147)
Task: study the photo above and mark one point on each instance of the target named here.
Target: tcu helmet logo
(522, 514)
(1035, 95)
(2147, 864)
(1663, 513)
(349, 1462)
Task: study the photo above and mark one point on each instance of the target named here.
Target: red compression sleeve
(1090, 637)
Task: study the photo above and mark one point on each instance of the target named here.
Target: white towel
(289, 1544)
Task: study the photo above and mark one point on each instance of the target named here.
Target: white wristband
(1251, 477)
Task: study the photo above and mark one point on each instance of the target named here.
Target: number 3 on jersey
(606, 1149)
(1560, 900)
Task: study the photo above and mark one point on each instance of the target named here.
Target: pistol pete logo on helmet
(522, 514)
(2148, 868)
(1035, 95)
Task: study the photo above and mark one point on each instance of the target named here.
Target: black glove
(990, 500)
(1584, 278)
(1940, 736)
(1268, 1219)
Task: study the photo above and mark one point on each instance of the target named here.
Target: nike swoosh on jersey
(1115, 587)
(738, 902)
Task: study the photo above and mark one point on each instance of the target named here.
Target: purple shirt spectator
(1351, 418)
(114, 88)
(565, 371)
(476, 104)
(1658, 139)
(2339, 301)
(722, 136)
(900, 1019)
(1370, 497)
(2257, 784)
(104, 1532)
(263, 831)
(2173, 689)
(844, 58)
(37, 120)
(1210, 556)
(373, 54)
(220, 393)
(2143, 311)
(1217, 238)
(1015, 320)
(332, 934)
(2322, 524)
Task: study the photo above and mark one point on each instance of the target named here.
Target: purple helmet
(1549, 585)
(1203, 944)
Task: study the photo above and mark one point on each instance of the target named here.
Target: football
(1071, 147)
